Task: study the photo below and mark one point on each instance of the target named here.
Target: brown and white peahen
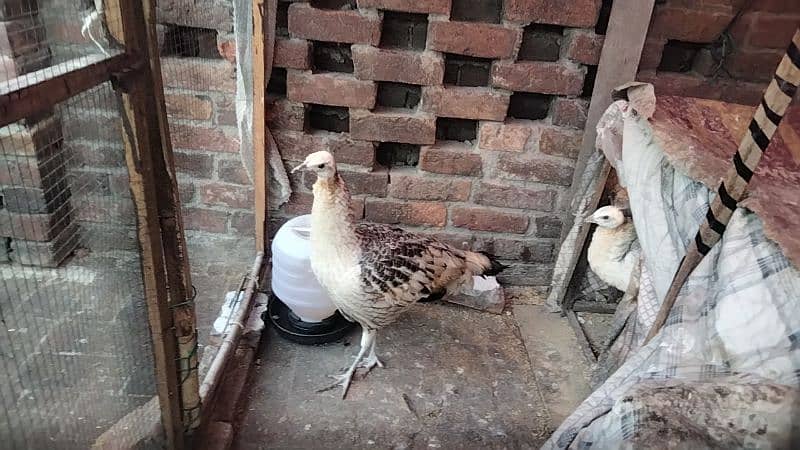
(375, 272)
(614, 250)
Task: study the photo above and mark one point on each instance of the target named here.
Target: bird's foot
(370, 362)
(342, 380)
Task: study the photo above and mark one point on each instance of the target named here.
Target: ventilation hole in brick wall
(398, 95)
(329, 118)
(466, 71)
(476, 10)
(277, 82)
(190, 42)
(448, 129)
(527, 105)
(404, 30)
(605, 14)
(588, 82)
(282, 19)
(678, 56)
(332, 57)
(393, 154)
(334, 4)
(541, 43)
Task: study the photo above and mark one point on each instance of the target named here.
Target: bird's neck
(332, 220)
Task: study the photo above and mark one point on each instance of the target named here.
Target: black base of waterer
(294, 329)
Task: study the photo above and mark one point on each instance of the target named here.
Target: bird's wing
(403, 267)
(627, 245)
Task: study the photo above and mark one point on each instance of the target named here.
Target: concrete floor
(454, 378)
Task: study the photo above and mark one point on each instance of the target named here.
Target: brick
(188, 106)
(560, 142)
(200, 137)
(483, 219)
(776, 6)
(372, 183)
(691, 85)
(406, 212)
(34, 227)
(465, 102)
(29, 140)
(348, 26)
(584, 46)
(225, 107)
(299, 203)
(473, 39)
(510, 136)
(506, 196)
(233, 171)
(412, 6)
(527, 169)
(336, 89)
(186, 190)
(651, 53)
(526, 275)
(575, 13)
(409, 185)
(698, 24)
(226, 46)
(283, 114)
(295, 146)
(243, 223)
(393, 125)
(402, 66)
(292, 54)
(32, 200)
(231, 196)
(451, 159)
(215, 75)
(570, 112)
(758, 65)
(517, 249)
(211, 14)
(202, 219)
(194, 164)
(539, 76)
(548, 227)
(45, 254)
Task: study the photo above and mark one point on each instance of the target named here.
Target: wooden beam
(37, 92)
(147, 152)
(619, 62)
(260, 139)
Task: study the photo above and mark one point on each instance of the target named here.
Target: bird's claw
(370, 362)
(342, 380)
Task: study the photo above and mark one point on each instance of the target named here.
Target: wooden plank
(260, 151)
(37, 92)
(144, 150)
(619, 61)
(594, 307)
(583, 341)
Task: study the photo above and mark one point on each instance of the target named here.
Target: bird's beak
(589, 219)
(301, 166)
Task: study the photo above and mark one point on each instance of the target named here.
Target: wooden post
(260, 158)
(154, 189)
(619, 62)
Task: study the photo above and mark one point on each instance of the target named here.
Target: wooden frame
(136, 76)
(619, 62)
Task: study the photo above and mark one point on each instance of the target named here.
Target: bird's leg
(367, 339)
(372, 359)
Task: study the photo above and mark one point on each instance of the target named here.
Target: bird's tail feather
(484, 264)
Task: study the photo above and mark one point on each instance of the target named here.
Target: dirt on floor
(454, 378)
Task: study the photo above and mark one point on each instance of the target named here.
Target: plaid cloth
(725, 370)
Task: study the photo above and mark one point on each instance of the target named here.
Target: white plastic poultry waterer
(293, 282)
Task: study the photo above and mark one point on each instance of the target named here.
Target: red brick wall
(486, 97)
(720, 49)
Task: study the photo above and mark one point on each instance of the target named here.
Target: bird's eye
(604, 217)
(321, 166)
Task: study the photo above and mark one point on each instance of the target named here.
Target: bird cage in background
(97, 343)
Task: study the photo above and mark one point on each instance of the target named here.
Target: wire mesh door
(77, 361)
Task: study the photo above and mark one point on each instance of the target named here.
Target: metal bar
(35, 93)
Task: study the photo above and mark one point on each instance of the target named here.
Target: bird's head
(321, 163)
(607, 217)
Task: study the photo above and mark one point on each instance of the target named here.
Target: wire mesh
(75, 349)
